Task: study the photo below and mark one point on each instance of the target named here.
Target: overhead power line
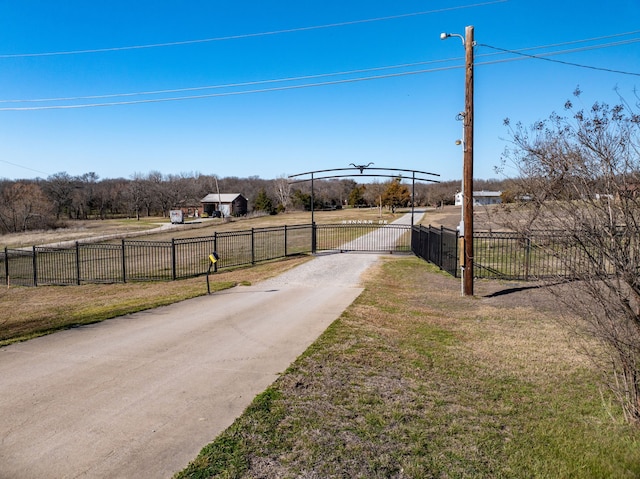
(233, 93)
(249, 35)
(24, 167)
(522, 56)
(227, 85)
(544, 57)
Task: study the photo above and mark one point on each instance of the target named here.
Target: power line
(250, 35)
(228, 85)
(321, 75)
(317, 84)
(213, 95)
(586, 40)
(543, 57)
(24, 167)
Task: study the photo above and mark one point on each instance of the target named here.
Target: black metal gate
(364, 237)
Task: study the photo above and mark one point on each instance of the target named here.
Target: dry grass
(416, 381)
(79, 230)
(150, 227)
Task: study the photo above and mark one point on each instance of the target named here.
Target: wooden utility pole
(468, 164)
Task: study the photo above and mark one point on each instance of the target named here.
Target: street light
(467, 176)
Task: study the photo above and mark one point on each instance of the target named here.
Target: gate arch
(358, 171)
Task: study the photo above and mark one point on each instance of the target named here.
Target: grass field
(414, 381)
(149, 228)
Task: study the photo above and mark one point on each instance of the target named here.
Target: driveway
(140, 395)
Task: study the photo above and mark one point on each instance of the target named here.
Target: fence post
(441, 246)
(428, 245)
(313, 237)
(6, 265)
(215, 248)
(285, 241)
(173, 259)
(77, 263)
(527, 258)
(124, 264)
(457, 267)
(35, 267)
(253, 247)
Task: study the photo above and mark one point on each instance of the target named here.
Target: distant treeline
(49, 203)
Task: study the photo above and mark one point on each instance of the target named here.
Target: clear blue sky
(402, 122)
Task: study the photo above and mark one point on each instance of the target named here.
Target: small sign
(213, 257)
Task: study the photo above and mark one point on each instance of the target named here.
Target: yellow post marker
(213, 259)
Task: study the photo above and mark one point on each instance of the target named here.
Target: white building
(482, 198)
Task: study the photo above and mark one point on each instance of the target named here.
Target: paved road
(138, 396)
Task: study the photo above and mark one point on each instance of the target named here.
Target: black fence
(438, 246)
(130, 260)
(503, 255)
(496, 254)
(540, 255)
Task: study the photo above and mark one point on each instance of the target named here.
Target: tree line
(50, 202)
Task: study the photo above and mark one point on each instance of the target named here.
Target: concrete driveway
(140, 395)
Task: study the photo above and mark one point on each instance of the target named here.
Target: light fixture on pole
(467, 175)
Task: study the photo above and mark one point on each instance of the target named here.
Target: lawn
(148, 228)
(415, 381)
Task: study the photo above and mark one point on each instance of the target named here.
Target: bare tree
(23, 206)
(282, 190)
(83, 195)
(136, 194)
(60, 188)
(373, 193)
(580, 174)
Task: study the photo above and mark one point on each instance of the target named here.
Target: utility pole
(466, 224)
(468, 163)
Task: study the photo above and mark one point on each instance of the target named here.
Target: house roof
(220, 198)
(483, 193)
(487, 193)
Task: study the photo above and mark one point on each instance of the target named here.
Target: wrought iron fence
(503, 255)
(131, 260)
(540, 255)
(436, 245)
(496, 254)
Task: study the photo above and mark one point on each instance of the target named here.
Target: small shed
(228, 204)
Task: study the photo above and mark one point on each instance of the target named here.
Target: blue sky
(406, 121)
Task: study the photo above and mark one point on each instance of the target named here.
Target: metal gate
(364, 237)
